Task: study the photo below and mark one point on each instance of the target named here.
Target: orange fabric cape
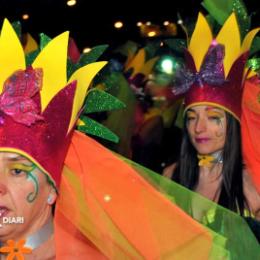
(106, 210)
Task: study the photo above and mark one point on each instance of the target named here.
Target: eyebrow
(213, 108)
(17, 158)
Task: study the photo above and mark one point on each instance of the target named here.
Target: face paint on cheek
(221, 131)
(218, 119)
(31, 176)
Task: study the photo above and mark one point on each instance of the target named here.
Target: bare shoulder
(169, 170)
(251, 194)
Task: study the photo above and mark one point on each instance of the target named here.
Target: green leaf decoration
(30, 57)
(94, 128)
(44, 40)
(254, 64)
(214, 25)
(92, 56)
(255, 47)
(242, 15)
(18, 29)
(87, 58)
(70, 68)
(221, 9)
(97, 101)
(110, 82)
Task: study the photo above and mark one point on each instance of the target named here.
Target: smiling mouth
(201, 140)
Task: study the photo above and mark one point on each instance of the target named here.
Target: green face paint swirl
(32, 177)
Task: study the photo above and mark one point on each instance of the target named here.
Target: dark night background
(91, 22)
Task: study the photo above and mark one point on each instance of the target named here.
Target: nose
(200, 126)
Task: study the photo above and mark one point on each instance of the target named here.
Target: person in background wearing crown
(211, 160)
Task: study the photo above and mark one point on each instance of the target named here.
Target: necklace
(209, 159)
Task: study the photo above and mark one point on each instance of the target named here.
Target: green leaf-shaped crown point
(94, 128)
(255, 47)
(98, 101)
(30, 57)
(93, 55)
(18, 28)
(44, 40)
(86, 58)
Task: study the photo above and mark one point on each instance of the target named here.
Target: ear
(52, 196)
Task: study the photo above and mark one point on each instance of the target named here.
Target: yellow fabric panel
(53, 60)
(229, 36)
(200, 41)
(11, 53)
(84, 77)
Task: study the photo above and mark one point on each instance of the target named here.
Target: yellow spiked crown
(215, 65)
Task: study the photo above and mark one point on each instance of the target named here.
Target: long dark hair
(187, 172)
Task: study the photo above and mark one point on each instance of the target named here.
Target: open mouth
(3, 211)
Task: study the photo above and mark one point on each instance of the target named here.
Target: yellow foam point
(200, 41)
(229, 36)
(80, 122)
(11, 53)
(248, 39)
(84, 77)
(148, 66)
(31, 44)
(251, 74)
(137, 62)
(53, 60)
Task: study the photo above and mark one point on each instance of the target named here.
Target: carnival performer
(104, 208)
(211, 159)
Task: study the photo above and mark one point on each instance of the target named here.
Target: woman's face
(24, 193)
(206, 127)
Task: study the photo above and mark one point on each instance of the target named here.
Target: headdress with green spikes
(40, 103)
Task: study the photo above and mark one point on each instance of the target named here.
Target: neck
(210, 160)
(40, 236)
